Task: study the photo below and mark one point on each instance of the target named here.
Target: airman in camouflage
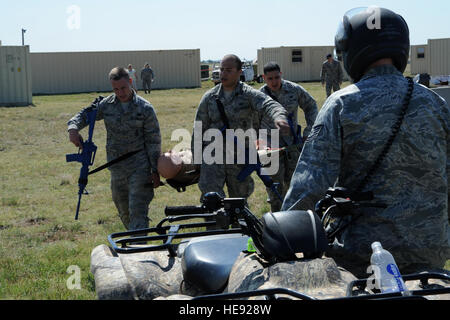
(291, 96)
(240, 102)
(349, 134)
(331, 75)
(131, 125)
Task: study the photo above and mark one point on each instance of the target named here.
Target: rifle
(292, 125)
(87, 155)
(249, 168)
(257, 167)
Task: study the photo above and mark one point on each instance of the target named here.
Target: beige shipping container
(439, 52)
(296, 63)
(15, 76)
(419, 57)
(73, 72)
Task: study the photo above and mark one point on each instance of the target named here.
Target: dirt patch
(35, 221)
(59, 232)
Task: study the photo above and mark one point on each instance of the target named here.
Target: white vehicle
(247, 75)
(247, 72)
(215, 75)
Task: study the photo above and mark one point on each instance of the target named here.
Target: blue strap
(297, 136)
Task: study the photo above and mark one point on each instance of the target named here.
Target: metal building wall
(419, 65)
(72, 72)
(439, 52)
(296, 71)
(266, 55)
(15, 76)
(259, 59)
(307, 70)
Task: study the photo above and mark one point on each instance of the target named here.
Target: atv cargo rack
(219, 213)
(358, 294)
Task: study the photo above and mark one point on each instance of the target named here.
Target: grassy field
(39, 238)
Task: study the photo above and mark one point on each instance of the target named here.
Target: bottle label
(392, 269)
(250, 245)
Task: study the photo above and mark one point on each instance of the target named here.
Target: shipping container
(15, 76)
(432, 58)
(439, 58)
(419, 57)
(296, 63)
(74, 72)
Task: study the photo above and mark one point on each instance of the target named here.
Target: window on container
(297, 56)
(420, 53)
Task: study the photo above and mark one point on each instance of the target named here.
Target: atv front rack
(136, 240)
(360, 285)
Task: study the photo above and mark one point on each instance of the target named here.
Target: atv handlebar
(185, 210)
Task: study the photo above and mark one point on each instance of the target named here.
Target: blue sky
(215, 27)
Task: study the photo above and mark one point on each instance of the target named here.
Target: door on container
(318, 56)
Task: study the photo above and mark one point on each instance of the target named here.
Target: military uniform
(147, 76)
(128, 129)
(332, 75)
(291, 96)
(239, 108)
(350, 131)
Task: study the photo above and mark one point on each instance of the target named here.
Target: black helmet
(368, 34)
(286, 233)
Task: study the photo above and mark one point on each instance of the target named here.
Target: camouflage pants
(332, 85)
(213, 178)
(147, 84)
(287, 165)
(132, 195)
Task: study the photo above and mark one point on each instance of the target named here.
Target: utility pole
(23, 37)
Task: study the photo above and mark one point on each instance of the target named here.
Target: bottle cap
(250, 245)
(376, 245)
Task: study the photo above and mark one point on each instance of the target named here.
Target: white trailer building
(15, 76)
(302, 63)
(72, 72)
(432, 58)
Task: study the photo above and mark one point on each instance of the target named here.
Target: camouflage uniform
(331, 74)
(239, 108)
(128, 130)
(291, 96)
(147, 76)
(413, 180)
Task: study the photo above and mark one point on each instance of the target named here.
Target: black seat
(207, 261)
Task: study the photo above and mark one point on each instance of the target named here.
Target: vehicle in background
(215, 75)
(248, 73)
(257, 77)
(204, 72)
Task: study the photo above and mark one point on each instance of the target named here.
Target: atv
(229, 253)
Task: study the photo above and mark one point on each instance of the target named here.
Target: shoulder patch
(110, 98)
(314, 132)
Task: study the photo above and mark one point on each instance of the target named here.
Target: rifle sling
(222, 113)
(114, 161)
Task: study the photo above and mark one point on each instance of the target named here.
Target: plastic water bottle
(386, 272)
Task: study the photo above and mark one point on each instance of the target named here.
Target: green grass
(39, 238)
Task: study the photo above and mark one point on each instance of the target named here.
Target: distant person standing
(331, 74)
(147, 77)
(133, 77)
